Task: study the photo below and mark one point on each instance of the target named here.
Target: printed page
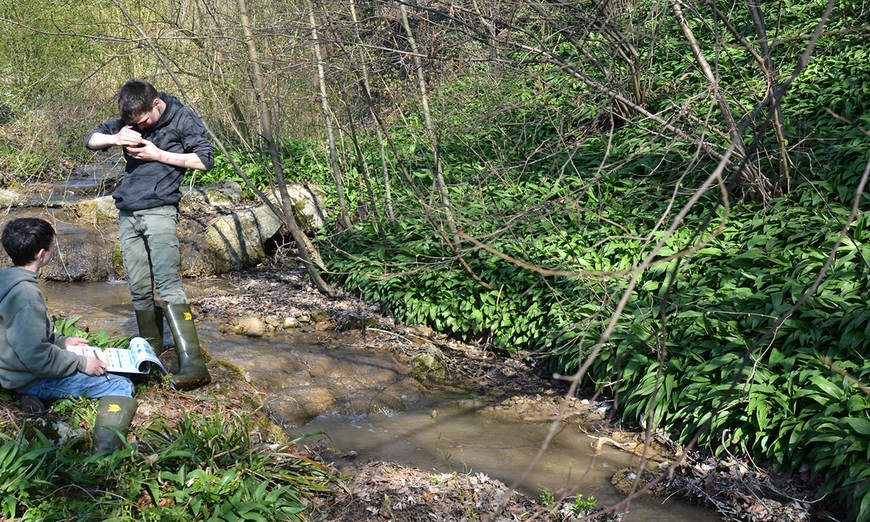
(138, 359)
(144, 355)
(88, 351)
(117, 360)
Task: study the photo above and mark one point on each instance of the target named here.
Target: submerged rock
(428, 365)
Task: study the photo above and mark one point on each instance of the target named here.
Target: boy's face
(148, 119)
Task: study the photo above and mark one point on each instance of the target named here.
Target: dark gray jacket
(149, 184)
(29, 348)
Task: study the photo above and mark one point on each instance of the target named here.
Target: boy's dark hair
(136, 97)
(23, 238)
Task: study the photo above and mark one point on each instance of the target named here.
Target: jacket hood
(11, 276)
(172, 106)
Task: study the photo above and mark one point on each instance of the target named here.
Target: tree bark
(306, 249)
(327, 117)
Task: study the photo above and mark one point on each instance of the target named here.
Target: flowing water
(367, 405)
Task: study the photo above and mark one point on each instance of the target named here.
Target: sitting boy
(33, 358)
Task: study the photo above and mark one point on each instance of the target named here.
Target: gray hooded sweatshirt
(29, 348)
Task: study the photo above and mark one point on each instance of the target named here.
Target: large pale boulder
(9, 197)
(307, 205)
(98, 210)
(237, 240)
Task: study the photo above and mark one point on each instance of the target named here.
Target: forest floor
(736, 488)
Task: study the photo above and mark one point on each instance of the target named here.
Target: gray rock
(218, 195)
(237, 241)
(307, 206)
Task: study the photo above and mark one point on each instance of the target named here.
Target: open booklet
(137, 359)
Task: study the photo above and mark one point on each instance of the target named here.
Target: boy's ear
(42, 255)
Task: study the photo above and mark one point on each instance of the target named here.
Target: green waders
(150, 324)
(113, 412)
(191, 365)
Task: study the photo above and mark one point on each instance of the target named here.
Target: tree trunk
(307, 250)
(327, 117)
(388, 200)
(753, 182)
(440, 186)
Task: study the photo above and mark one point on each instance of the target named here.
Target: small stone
(290, 322)
(320, 316)
(304, 319)
(252, 326)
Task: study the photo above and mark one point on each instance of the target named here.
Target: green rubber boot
(191, 366)
(113, 412)
(150, 324)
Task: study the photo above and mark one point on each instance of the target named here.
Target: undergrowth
(198, 468)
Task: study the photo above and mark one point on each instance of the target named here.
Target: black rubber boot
(32, 405)
(113, 412)
(191, 365)
(151, 327)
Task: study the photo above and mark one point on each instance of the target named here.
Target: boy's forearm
(99, 140)
(189, 160)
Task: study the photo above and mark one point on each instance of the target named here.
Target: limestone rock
(237, 241)
(217, 195)
(307, 205)
(100, 209)
(8, 197)
(290, 322)
(250, 325)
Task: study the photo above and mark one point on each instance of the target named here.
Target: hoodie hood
(172, 107)
(11, 276)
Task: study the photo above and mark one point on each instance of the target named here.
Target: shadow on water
(365, 402)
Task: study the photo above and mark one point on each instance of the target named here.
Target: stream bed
(369, 408)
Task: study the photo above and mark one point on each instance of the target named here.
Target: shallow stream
(370, 408)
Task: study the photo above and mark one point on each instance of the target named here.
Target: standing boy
(161, 139)
(33, 358)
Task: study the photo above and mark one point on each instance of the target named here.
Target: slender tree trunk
(769, 69)
(307, 250)
(388, 200)
(364, 172)
(440, 185)
(327, 117)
